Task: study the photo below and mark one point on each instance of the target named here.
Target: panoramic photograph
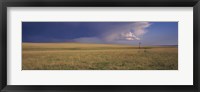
(100, 45)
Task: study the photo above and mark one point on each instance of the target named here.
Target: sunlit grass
(76, 56)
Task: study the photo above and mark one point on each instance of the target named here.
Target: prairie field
(80, 56)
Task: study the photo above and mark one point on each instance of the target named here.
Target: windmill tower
(139, 44)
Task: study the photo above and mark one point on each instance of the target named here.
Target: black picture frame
(98, 3)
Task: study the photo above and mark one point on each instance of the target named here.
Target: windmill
(139, 44)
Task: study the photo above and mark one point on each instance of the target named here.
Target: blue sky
(148, 33)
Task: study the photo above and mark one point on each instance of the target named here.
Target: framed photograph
(86, 45)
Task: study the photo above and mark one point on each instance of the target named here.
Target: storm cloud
(129, 32)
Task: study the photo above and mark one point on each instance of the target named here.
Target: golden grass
(77, 56)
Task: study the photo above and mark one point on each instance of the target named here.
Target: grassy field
(78, 56)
